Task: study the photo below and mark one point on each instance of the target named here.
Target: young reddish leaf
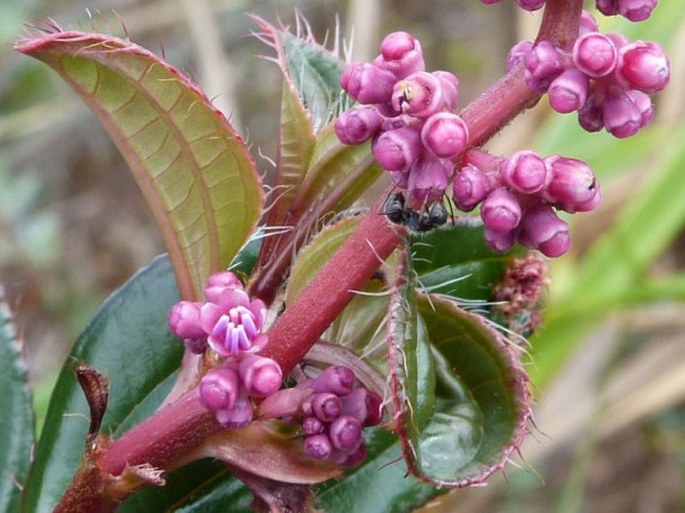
(192, 166)
(17, 418)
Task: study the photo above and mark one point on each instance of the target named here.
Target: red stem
(164, 438)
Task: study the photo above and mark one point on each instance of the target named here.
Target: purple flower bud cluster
(228, 321)
(518, 197)
(633, 10)
(407, 113)
(603, 77)
(227, 391)
(332, 411)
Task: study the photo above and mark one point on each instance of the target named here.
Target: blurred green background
(608, 366)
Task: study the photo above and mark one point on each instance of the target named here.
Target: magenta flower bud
(401, 54)
(363, 405)
(644, 66)
(636, 10)
(318, 446)
(429, 178)
(470, 187)
(590, 115)
(544, 231)
(595, 54)
(196, 345)
(568, 91)
(356, 458)
(543, 64)
(585, 206)
(573, 182)
(620, 115)
(418, 95)
(530, 5)
(501, 211)
(500, 242)
(184, 320)
(358, 125)
(345, 433)
(445, 135)
(368, 83)
(396, 150)
(588, 23)
(517, 54)
(607, 7)
(288, 402)
(239, 416)
(643, 103)
(312, 426)
(218, 282)
(326, 406)
(336, 379)
(219, 389)
(450, 88)
(526, 172)
(261, 376)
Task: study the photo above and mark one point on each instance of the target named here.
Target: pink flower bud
(318, 446)
(543, 64)
(590, 115)
(368, 83)
(568, 91)
(450, 88)
(356, 458)
(345, 433)
(526, 172)
(261, 376)
(595, 54)
(358, 125)
(336, 379)
(607, 7)
(636, 10)
(429, 178)
(644, 66)
(184, 320)
(396, 150)
(239, 416)
(219, 389)
(517, 54)
(326, 406)
(312, 426)
(364, 405)
(501, 211)
(588, 23)
(418, 95)
(401, 54)
(470, 187)
(218, 282)
(643, 103)
(573, 182)
(445, 135)
(544, 231)
(500, 242)
(530, 5)
(620, 115)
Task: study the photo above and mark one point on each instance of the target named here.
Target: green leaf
(481, 399)
(17, 419)
(193, 168)
(128, 340)
(455, 260)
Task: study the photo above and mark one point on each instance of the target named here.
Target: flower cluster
(634, 10)
(230, 324)
(604, 77)
(332, 411)
(518, 197)
(407, 113)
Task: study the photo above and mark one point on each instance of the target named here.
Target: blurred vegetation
(608, 367)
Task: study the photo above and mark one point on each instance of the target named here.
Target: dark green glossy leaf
(481, 398)
(16, 420)
(192, 166)
(128, 340)
(456, 261)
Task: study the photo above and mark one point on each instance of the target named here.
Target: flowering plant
(299, 355)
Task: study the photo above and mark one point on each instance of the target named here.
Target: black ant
(399, 212)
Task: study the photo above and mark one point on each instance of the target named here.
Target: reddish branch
(164, 438)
